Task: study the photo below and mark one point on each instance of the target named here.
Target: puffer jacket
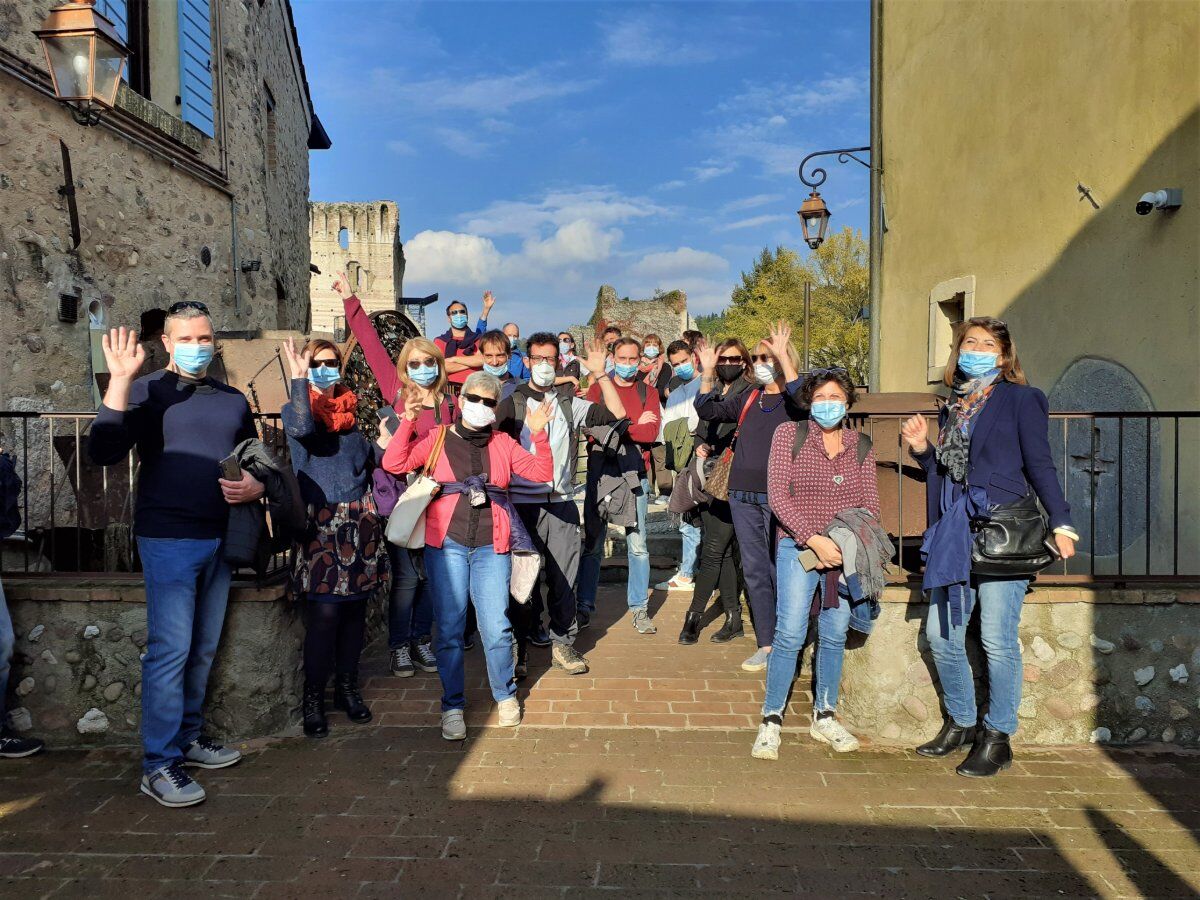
(244, 544)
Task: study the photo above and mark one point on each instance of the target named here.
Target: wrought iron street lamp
(86, 56)
(814, 214)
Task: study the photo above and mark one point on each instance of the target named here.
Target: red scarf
(338, 412)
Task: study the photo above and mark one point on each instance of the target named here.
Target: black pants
(719, 563)
(333, 632)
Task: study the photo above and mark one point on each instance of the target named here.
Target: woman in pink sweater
(469, 531)
(806, 491)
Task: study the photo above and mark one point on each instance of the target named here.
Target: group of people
(777, 496)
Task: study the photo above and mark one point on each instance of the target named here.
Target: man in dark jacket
(183, 423)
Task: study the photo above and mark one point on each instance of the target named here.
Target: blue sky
(543, 149)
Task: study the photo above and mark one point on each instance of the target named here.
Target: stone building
(195, 186)
(362, 240)
(664, 314)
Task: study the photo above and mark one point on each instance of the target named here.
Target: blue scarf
(948, 544)
(519, 540)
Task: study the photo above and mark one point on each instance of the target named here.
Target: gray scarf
(954, 440)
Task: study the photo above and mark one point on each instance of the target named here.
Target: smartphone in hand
(230, 470)
(388, 415)
(1052, 547)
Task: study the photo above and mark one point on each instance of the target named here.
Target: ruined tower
(362, 240)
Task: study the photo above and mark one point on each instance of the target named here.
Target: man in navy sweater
(182, 423)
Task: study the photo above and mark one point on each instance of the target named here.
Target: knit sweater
(807, 493)
(331, 467)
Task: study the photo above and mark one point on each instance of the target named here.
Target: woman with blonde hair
(771, 399)
(341, 559)
(421, 365)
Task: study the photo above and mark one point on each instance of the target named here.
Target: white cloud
(753, 222)
(711, 169)
(602, 206)
(671, 37)
(401, 148)
(462, 142)
(434, 257)
(581, 241)
(779, 99)
(751, 202)
(487, 95)
(671, 185)
(682, 262)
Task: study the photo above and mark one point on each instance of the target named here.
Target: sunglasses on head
(489, 402)
(735, 360)
(832, 370)
(181, 305)
(415, 363)
(328, 363)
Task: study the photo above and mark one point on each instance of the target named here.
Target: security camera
(1167, 198)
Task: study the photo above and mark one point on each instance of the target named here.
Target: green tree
(774, 289)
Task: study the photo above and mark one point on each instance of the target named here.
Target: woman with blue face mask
(341, 558)
(820, 481)
(992, 448)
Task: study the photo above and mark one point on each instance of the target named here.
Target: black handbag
(1011, 541)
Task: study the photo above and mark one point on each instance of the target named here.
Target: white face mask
(542, 375)
(764, 373)
(477, 416)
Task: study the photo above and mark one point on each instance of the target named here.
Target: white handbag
(406, 524)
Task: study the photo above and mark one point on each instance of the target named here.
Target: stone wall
(373, 258)
(77, 673)
(154, 203)
(664, 314)
(1114, 666)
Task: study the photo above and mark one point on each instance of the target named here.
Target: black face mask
(729, 373)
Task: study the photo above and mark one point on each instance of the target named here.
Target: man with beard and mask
(548, 507)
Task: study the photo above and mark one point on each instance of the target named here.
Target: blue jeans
(999, 603)
(7, 640)
(793, 610)
(187, 590)
(638, 589)
(691, 548)
(480, 576)
(410, 608)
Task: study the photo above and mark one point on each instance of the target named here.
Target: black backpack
(864, 447)
(10, 493)
(520, 399)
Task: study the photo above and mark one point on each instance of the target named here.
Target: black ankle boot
(952, 737)
(730, 630)
(315, 723)
(691, 628)
(990, 755)
(347, 698)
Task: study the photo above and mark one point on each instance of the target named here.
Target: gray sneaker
(172, 786)
(565, 657)
(758, 662)
(208, 754)
(453, 726)
(642, 621)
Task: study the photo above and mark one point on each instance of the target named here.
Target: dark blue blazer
(1010, 451)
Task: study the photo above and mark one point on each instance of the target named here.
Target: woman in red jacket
(468, 531)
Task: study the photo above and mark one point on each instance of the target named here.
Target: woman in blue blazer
(992, 446)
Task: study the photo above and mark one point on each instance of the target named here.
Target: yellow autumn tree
(774, 289)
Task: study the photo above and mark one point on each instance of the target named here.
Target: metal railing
(76, 516)
(1131, 479)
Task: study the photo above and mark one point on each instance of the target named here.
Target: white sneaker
(676, 583)
(453, 726)
(766, 745)
(832, 732)
(510, 712)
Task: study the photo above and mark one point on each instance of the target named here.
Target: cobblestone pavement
(634, 778)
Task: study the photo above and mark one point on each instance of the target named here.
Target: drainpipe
(876, 254)
(237, 263)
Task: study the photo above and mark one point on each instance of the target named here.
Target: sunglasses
(737, 360)
(455, 312)
(762, 357)
(489, 402)
(566, 339)
(832, 370)
(328, 363)
(181, 305)
(415, 364)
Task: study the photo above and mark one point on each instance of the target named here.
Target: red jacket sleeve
(405, 455)
(648, 432)
(378, 359)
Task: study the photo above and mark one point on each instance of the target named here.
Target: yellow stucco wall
(991, 113)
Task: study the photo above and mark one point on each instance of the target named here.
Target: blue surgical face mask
(424, 376)
(565, 349)
(192, 358)
(651, 352)
(324, 376)
(458, 320)
(498, 371)
(686, 371)
(827, 413)
(973, 363)
(625, 370)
